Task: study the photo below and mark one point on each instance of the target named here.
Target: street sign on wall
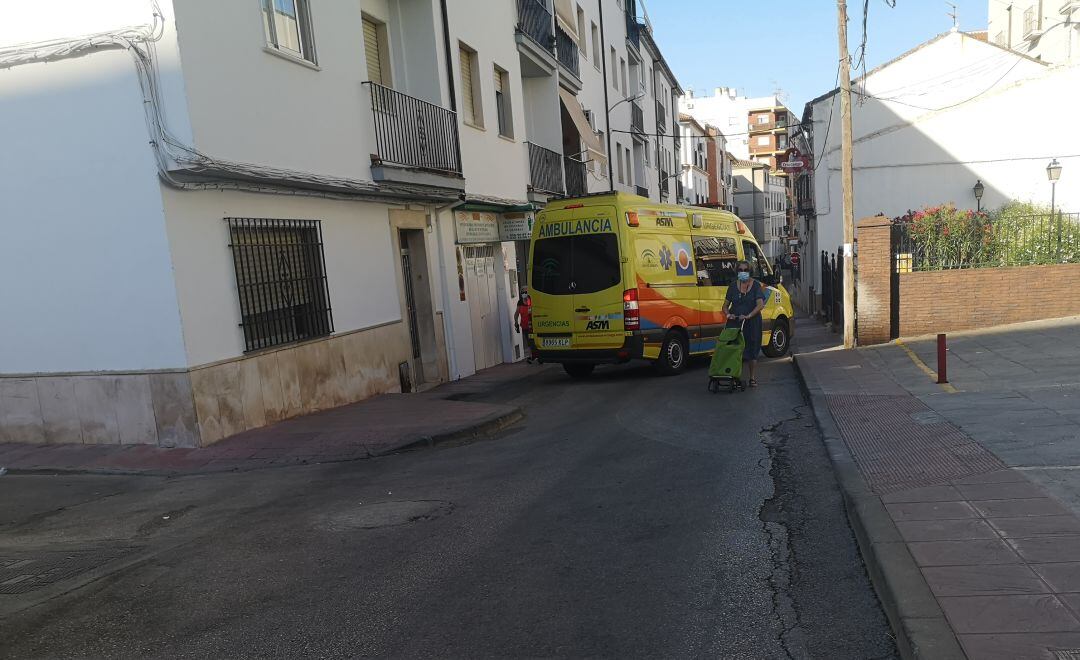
(476, 227)
(516, 226)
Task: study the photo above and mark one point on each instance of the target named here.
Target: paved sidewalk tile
(962, 553)
(945, 530)
(987, 580)
(1048, 549)
(1036, 526)
(931, 511)
(1015, 508)
(1062, 578)
(1025, 646)
(1008, 614)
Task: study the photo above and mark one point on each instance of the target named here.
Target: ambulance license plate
(555, 342)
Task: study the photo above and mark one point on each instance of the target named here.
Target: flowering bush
(946, 237)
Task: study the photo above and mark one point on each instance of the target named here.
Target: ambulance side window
(759, 265)
(714, 260)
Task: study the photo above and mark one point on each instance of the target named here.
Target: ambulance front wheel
(779, 341)
(673, 354)
(578, 369)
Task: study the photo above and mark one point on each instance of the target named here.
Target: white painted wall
(252, 106)
(493, 164)
(907, 157)
(85, 261)
(360, 263)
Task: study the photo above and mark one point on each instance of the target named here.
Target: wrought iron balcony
(637, 117)
(545, 169)
(534, 21)
(577, 182)
(566, 51)
(411, 132)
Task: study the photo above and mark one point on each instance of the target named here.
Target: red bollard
(942, 373)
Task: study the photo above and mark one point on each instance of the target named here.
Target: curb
(488, 426)
(916, 619)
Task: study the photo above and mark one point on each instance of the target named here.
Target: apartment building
(756, 129)
(275, 207)
(698, 173)
(761, 200)
(1048, 30)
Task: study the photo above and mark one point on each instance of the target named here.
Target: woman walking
(523, 321)
(743, 304)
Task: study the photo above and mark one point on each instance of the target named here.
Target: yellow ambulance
(616, 277)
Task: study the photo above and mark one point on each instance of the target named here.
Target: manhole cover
(24, 572)
(384, 514)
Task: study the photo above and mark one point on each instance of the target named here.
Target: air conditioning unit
(1069, 7)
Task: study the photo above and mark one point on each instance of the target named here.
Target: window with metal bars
(281, 280)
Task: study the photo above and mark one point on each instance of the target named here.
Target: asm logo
(665, 222)
(598, 325)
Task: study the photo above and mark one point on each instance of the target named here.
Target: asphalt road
(628, 516)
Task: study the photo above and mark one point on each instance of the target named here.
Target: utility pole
(846, 178)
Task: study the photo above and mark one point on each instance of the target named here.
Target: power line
(828, 125)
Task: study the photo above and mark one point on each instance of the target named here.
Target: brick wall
(874, 290)
(951, 300)
(948, 300)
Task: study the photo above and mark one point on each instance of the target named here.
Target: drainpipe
(450, 76)
(607, 109)
(448, 321)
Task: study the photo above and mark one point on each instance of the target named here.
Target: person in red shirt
(523, 321)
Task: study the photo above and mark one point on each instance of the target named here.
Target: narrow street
(628, 516)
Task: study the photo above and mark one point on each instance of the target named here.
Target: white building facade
(920, 142)
(225, 253)
(695, 159)
(1048, 30)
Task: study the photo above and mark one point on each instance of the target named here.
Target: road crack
(778, 525)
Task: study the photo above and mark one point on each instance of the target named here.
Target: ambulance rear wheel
(579, 369)
(673, 354)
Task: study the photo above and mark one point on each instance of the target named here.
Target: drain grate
(24, 572)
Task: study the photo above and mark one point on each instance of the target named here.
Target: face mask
(744, 276)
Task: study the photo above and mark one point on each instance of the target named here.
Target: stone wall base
(202, 405)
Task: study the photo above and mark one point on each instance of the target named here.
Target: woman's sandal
(753, 383)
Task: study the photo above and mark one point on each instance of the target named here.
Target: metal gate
(410, 303)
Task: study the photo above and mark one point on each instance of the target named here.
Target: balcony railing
(637, 117)
(633, 28)
(566, 51)
(545, 169)
(755, 127)
(661, 117)
(577, 183)
(534, 21)
(411, 132)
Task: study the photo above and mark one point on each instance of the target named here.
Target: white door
(482, 293)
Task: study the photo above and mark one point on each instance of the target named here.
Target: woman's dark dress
(741, 305)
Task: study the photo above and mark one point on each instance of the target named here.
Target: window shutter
(373, 52)
(498, 82)
(465, 58)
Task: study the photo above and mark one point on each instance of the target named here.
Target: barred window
(281, 280)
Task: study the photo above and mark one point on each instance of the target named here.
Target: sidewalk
(374, 427)
(957, 538)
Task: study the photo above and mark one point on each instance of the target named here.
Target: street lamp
(978, 189)
(1053, 172)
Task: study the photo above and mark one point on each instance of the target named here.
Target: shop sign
(516, 226)
(476, 227)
